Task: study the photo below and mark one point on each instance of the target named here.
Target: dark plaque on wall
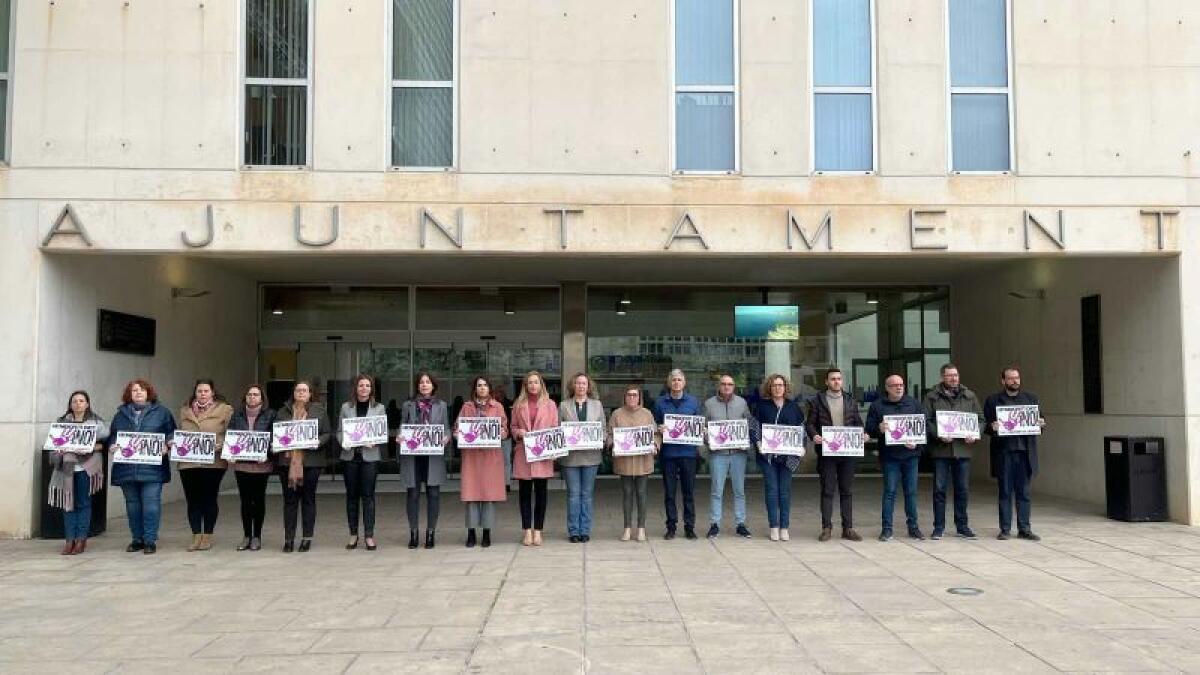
(127, 333)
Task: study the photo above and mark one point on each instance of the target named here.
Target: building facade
(310, 188)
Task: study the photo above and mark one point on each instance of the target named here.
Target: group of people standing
(483, 470)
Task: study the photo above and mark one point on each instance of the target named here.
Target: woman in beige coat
(205, 411)
(634, 469)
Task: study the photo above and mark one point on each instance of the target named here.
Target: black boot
(487, 538)
(412, 538)
(471, 537)
(428, 538)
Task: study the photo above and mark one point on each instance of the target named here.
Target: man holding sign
(953, 418)
(727, 454)
(1014, 456)
(681, 423)
(835, 408)
(898, 453)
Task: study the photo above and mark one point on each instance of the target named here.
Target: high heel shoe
(527, 539)
(487, 538)
(412, 539)
(370, 544)
(353, 544)
(471, 537)
(626, 534)
(429, 543)
(244, 545)
(289, 546)
(537, 537)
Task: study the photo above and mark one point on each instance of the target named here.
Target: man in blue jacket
(1014, 458)
(899, 462)
(678, 460)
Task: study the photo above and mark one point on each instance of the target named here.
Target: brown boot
(80, 545)
(826, 534)
(850, 534)
(68, 547)
(205, 542)
(195, 545)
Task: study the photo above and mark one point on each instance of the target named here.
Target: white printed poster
(684, 429)
(136, 447)
(479, 432)
(1018, 420)
(199, 447)
(728, 435)
(295, 435)
(422, 439)
(904, 429)
(843, 441)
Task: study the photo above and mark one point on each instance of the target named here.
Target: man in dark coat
(834, 407)
(1014, 458)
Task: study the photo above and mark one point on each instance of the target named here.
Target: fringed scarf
(424, 408)
(296, 458)
(62, 480)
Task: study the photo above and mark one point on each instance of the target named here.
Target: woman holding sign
(780, 461)
(299, 470)
(634, 469)
(133, 470)
(360, 462)
(205, 412)
(252, 476)
(579, 468)
(533, 410)
(78, 473)
(425, 408)
(483, 481)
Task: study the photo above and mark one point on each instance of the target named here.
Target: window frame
(246, 82)
(393, 84)
(815, 91)
(1006, 90)
(734, 89)
(6, 77)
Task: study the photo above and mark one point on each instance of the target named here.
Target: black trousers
(360, 477)
(680, 471)
(303, 498)
(412, 506)
(837, 474)
(252, 490)
(532, 495)
(200, 489)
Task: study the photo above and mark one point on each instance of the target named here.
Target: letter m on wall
(824, 228)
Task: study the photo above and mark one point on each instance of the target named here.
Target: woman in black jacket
(254, 414)
(776, 407)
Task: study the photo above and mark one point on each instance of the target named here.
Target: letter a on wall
(679, 233)
(58, 228)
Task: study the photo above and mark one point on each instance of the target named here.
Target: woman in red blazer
(533, 410)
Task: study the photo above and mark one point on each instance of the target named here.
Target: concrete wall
(1144, 386)
(212, 336)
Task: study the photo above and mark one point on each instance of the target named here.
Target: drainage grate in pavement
(964, 590)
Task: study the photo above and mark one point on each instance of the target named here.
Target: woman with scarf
(424, 408)
(76, 477)
(299, 470)
(142, 483)
(634, 470)
(532, 410)
(252, 477)
(205, 412)
(360, 464)
(483, 474)
(775, 407)
(579, 468)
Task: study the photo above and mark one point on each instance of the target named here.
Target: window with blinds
(843, 72)
(980, 109)
(423, 92)
(706, 86)
(277, 82)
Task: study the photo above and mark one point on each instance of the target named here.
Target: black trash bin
(1135, 478)
(51, 522)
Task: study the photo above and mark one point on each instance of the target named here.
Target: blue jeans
(581, 482)
(1013, 484)
(78, 522)
(734, 466)
(895, 471)
(943, 468)
(777, 488)
(143, 507)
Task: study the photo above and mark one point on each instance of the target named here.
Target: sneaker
(743, 531)
(850, 535)
(714, 531)
(585, 538)
(915, 533)
(1004, 535)
(967, 533)
(774, 534)
(255, 543)
(826, 534)
(1028, 534)
(134, 546)
(669, 535)
(886, 535)
(574, 539)
(689, 532)
(937, 534)
(784, 535)
(150, 549)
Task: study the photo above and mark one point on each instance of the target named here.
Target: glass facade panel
(422, 126)
(842, 43)
(423, 40)
(703, 42)
(276, 125)
(843, 132)
(277, 38)
(978, 43)
(704, 132)
(979, 132)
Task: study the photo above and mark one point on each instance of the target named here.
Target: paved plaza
(1093, 595)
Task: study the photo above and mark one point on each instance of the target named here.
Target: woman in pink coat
(533, 410)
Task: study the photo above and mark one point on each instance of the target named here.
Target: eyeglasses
(897, 384)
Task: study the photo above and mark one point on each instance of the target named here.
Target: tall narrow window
(980, 124)
(706, 85)
(5, 44)
(423, 83)
(277, 82)
(843, 67)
